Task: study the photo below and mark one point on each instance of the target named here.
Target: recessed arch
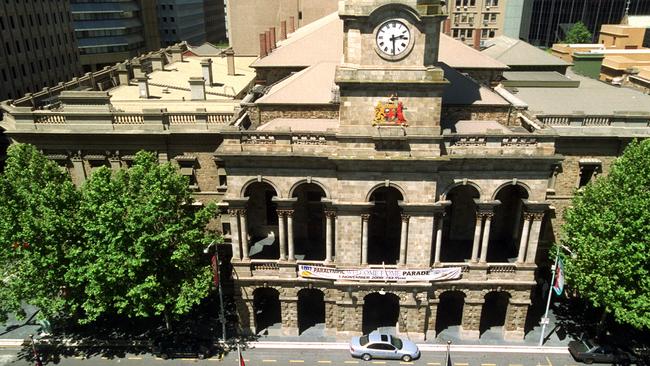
(311, 309)
(382, 185)
(449, 312)
(262, 220)
(267, 308)
(379, 311)
(445, 193)
(460, 223)
(309, 221)
(242, 193)
(507, 223)
(493, 313)
(511, 183)
(309, 181)
(384, 226)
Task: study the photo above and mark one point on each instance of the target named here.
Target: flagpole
(545, 320)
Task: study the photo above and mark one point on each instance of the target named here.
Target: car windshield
(363, 340)
(396, 342)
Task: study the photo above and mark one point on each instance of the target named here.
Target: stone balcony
(268, 269)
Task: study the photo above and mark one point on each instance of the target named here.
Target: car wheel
(366, 357)
(589, 361)
(164, 356)
(201, 356)
(407, 358)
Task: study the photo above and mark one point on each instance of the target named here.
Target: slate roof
(514, 52)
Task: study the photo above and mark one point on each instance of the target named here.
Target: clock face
(393, 38)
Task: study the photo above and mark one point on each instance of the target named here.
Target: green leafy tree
(608, 229)
(144, 242)
(38, 227)
(578, 33)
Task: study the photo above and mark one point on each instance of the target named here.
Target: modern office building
(474, 21)
(112, 31)
(550, 19)
(37, 46)
(192, 21)
(369, 179)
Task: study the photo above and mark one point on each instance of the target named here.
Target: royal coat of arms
(391, 111)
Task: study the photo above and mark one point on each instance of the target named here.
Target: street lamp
(545, 319)
(215, 269)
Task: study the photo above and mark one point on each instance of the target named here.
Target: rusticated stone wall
(501, 114)
(262, 114)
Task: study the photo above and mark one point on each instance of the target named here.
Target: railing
(258, 139)
(219, 118)
(518, 141)
(264, 265)
(470, 141)
(128, 119)
(501, 268)
(182, 119)
(50, 119)
(639, 120)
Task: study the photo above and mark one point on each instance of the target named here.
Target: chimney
(156, 61)
(263, 52)
(197, 88)
(122, 74)
(273, 43)
(268, 41)
(447, 27)
(477, 39)
(292, 24)
(177, 54)
(143, 85)
(137, 68)
(206, 69)
(283, 30)
(230, 58)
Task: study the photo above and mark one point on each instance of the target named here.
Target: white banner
(380, 274)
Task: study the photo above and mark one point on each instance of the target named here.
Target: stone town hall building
(370, 141)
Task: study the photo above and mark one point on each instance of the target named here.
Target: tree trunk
(602, 324)
(168, 323)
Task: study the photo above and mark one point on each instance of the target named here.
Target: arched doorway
(380, 312)
(384, 227)
(309, 222)
(458, 229)
(450, 310)
(262, 221)
(507, 224)
(268, 312)
(311, 311)
(493, 313)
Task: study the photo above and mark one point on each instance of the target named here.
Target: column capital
(330, 214)
(285, 212)
(538, 216)
(485, 215)
(365, 217)
(405, 217)
(529, 215)
(233, 211)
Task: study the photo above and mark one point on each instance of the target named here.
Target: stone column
(292, 255)
(486, 236)
(524, 237)
(282, 235)
(78, 169)
(535, 232)
(439, 225)
(234, 233)
(470, 325)
(289, 307)
(364, 238)
(244, 234)
(331, 317)
(246, 315)
(329, 230)
(403, 239)
(515, 319)
(477, 237)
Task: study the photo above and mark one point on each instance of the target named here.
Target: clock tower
(389, 78)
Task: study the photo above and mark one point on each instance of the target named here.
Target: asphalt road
(298, 357)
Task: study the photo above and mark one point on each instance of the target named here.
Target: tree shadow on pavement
(113, 337)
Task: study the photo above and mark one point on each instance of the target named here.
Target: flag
(241, 357)
(558, 284)
(215, 270)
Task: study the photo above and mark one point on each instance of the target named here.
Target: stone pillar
(486, 236)
(364, 238)
(524, 238)
(289, 313)
(292, 255)
(234, 233)
(477, 237)
(246, 315)
(518, 216)
(331, 317)
(329, 230)
(283, 242)
(244, 234)
(439, 225)
(432, 318)
(470, 325)
(535, 232)
(403, 239)
(515, 319)
(78, 169)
